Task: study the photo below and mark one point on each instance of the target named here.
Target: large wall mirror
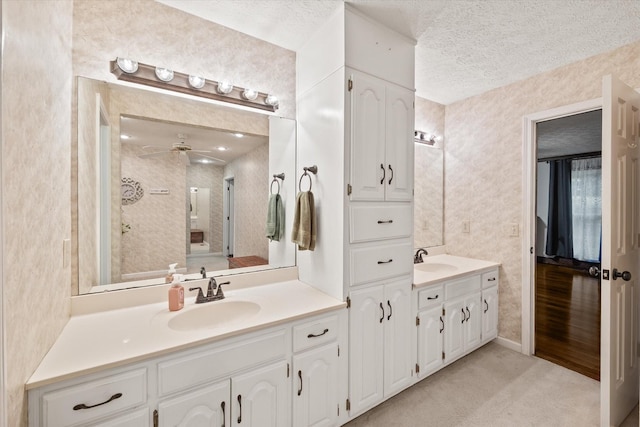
(164, 179)
(428, 216)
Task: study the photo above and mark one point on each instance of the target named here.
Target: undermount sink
(435, 267)
(213, 315)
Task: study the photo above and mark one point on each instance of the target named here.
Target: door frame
(529, 183)
(228, 229)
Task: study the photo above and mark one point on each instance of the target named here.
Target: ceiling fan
(181, 148)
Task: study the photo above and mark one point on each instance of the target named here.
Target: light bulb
(196, 82)
(225, 87)
(127, 65)
(272, 100)
(164, 74)
(250, 94)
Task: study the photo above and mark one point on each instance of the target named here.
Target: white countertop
(93, 342)
(448, 267)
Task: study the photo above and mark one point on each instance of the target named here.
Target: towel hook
(275, 180)
(314, 170)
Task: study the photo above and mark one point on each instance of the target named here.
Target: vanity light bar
(147, 75)
(425, 138)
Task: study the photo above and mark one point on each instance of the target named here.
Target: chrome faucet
(203, 271)
(201, 298)
(417, 258)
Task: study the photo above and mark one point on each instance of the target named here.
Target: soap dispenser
(176, 293)
(170, 273)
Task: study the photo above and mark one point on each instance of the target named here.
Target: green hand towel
(275, 218)
(304, 222)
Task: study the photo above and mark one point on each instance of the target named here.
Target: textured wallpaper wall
(36, 140)
(483, 158)
(429, 177)
(251, 180)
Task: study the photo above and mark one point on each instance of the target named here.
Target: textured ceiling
(464, 47)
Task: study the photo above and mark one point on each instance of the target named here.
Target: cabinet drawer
(489, 279)
(100, 398)
(201, 367)
(369, 223)
(315, 332)
(463, 286)
(431, 297)
(380, 262)
(134, 419)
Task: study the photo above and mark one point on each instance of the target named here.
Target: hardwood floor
(568, 318)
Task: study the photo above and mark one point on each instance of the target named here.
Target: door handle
(464, 316)
(382, 308)
(224, 417)
(390, 170)
(594, 271)
(487, 304)
(469, 314)
(300, 388)
(626, 276)
(390, 310)
(441, 321)
(240, 405)
(384, 173)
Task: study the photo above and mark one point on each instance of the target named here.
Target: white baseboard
(511, 345)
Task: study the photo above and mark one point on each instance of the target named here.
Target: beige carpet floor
(494, 386)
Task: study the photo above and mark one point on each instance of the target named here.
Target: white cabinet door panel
(454, 329)
(400, 116)
(489, 314)
(473, 322)
(430, 341)
(397, 335)
(208, 406)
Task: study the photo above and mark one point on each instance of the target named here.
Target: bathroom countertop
(93, 342)
(446, 267)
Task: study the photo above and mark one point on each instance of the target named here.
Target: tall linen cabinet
(356, 113)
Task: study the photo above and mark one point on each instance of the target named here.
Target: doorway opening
(228, 224)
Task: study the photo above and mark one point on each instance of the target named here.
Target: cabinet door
(430, 341)
(473, 323)
(207, 406)
(400, 116)
(366, 329)
(315, 398)
(489, 314)
(454, 329)
(261, 397)
(368, 167)
(397, 337)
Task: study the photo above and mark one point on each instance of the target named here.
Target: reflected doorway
(229, 227)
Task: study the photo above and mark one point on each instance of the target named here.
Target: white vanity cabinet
(462, 325)
(489, 306)
(382, 140)
(379, 339)
(430, 324)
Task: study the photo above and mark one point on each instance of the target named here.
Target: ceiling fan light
(196, 82)
(128, 66)
(250, 94)
(224, 87)
(164, 74)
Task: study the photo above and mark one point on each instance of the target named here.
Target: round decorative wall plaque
(131, 191)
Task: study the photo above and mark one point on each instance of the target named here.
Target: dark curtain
(559, 224)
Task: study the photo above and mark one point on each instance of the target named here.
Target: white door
(366, 328)
(489, 314)
(315, 393)
(208, 406)
(261, 397)
(228, 229)
(620, 235)
(368, 168)
(397, 337)
(400, 117)
(455, 316)
(473, 322)
(430, 341)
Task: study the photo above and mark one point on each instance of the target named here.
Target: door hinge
(348, 302)
(338, 351)
(348, 405)
(350, 85)
(443, 355)
(155, 418)
(287, 370)
(443, 311)
(338, 410)
(417, 368)
(349, 189)
(417, 321)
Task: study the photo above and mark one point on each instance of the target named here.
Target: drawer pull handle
(382, 317)
(385, 262)
(300, 378)
(431, 298)
(442, 322)
(486, 304)
(464, 316)
(318, 335)
(390, 310)
(240, 405)
(84, 406)
(224, 417)
(387, 221)
(390, 170)
(491, 279)
(469, 314)
(384, 173)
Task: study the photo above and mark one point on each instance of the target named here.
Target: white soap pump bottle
(170, 273)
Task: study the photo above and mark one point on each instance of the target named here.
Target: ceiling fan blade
(185, 158)
(150, 155)
(200, 151)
